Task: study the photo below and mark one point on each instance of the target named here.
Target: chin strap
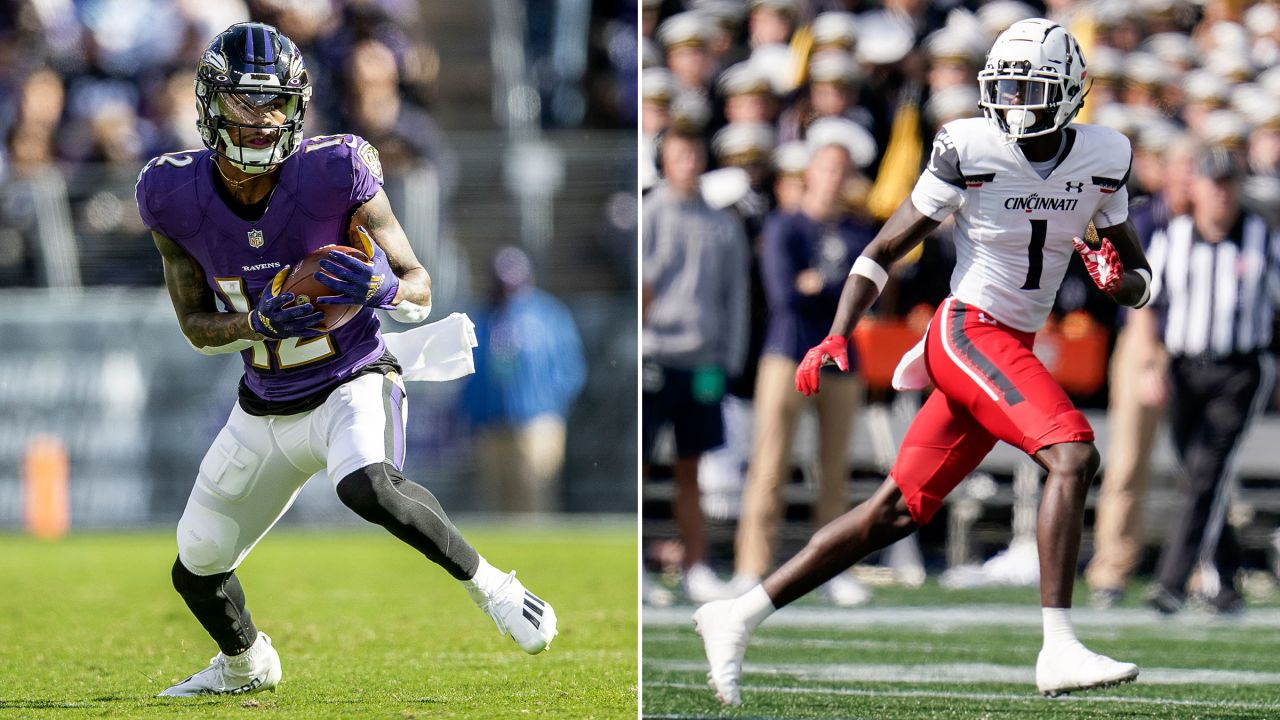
(270, 157)
(253, 170)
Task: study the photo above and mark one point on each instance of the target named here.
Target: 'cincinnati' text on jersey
(1039, 202)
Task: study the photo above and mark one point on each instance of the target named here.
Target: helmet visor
(1019, 92)
(256, 109)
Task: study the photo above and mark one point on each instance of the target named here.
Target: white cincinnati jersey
(1013, 228)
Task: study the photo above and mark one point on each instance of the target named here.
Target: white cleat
(654, 594)
(1064, 670)
(844, 591)
(701, 585)
(520, 615)
(253, 670)
(724, 639)
(739, 584)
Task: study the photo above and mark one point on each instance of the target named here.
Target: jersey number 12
(289, 352)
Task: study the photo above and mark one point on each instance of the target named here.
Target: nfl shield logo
(255, 238)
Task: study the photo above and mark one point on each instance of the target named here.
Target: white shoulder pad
(1109, 148)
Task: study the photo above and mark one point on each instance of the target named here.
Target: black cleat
(1164, 601)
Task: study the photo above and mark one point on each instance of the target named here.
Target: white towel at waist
(911, 373)
(438, 351)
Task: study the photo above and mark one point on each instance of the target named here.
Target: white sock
(1057, 627)
(486, 579)
(754, 606)
(249, 660)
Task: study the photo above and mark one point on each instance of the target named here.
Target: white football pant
(257, 466)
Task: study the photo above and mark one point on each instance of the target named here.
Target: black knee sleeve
(217, 601)
(380, 494)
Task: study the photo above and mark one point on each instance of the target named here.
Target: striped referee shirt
(1215, 299)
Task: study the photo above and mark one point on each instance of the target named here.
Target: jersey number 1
(1035, 254)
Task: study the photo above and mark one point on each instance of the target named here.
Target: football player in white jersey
(1023, 185)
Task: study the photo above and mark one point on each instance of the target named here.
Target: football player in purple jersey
(229, 221)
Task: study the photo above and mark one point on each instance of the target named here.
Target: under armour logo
(984, 318)
(1075, 186)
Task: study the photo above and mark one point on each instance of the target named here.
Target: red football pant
(990, 386)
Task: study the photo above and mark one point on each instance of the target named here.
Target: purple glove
(272, 319)
(372, 284)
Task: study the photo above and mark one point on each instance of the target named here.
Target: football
(306, 288)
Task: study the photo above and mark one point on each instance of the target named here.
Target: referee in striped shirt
(1215, 284)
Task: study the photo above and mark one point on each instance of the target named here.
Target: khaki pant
(777, 408)
(1117, 538)
(520, 465)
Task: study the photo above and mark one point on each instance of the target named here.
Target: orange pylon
(44, 479)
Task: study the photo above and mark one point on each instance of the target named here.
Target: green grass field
(934, 653)
(365, 626)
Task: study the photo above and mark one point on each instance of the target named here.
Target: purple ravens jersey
(318, 189)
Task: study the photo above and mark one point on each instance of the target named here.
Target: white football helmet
(1033, 82)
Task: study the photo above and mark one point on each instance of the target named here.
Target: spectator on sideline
(694, 309)
(805, 259)
(771, 21)
(740, 185)
(529, 369)
(404, 133)
(790, 161)
(685, 37)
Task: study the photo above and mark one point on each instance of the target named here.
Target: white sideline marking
(940, 694)
(835, 644)
(962, 673)
(677, 716)
(954, 616)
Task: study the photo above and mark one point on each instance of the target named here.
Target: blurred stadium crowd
(105, 81)
(758, 88)
(88, 84)
(752, 76)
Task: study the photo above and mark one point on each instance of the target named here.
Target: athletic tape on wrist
(871, 270)
(1146, 289)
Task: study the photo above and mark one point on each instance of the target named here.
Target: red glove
(835, 348)
(1103, 264)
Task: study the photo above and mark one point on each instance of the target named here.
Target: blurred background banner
(500, 124)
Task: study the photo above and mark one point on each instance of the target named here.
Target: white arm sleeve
(936, 199)
(409, 313)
